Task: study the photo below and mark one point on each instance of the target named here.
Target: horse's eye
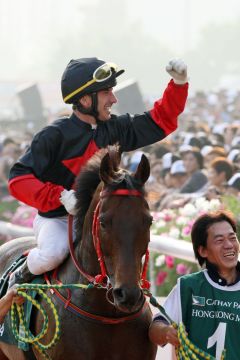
(102, 222)
(150, 220)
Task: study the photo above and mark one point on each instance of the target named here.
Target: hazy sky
(35, 34)
(178, 23)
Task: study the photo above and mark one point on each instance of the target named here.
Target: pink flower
(167, 217)
(186, 230)
(181, 269)
(169, 260)
(24, 216)
(191, 222)
(161, 276)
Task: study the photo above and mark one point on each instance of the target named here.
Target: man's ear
(85, 101)
(202, 251)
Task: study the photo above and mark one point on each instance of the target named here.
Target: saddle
(4, 280)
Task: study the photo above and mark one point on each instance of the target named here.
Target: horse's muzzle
(127, 299)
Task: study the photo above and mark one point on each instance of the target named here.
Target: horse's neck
(85, 251)
(87, 257)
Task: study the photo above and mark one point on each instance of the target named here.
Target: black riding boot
(21, 276)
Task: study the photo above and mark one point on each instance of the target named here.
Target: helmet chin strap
(92, 110)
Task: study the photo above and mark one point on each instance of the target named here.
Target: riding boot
(21, 276)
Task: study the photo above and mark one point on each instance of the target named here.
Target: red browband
(127, 192)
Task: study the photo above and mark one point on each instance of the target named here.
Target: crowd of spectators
(202, 157)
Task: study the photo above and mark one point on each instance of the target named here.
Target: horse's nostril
(119, 294)
(126, 296)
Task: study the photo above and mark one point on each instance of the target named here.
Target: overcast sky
(178, 23)
(31, 30)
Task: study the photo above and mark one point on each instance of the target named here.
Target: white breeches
(52, 244)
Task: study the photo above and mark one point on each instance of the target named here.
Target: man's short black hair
(200, 228)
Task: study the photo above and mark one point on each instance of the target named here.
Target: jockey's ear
(143, 170)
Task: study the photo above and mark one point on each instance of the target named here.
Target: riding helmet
(78, 73)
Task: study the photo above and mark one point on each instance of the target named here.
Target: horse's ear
(106, 170)
(143, 170)
(115, 156)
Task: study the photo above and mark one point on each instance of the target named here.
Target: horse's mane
(89, 179)
(87, 182)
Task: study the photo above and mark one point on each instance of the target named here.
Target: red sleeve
(33, 192)
(166, 110)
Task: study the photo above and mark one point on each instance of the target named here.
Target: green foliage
(7, 209)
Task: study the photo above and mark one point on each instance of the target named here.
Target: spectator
(9, 154)
(233, 185)
(7, 300)
(193, 163)
(216, 151)
(207, 301)
(167, 160)
(220, 172)
(178, 174)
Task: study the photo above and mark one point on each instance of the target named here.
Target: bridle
(103, 279)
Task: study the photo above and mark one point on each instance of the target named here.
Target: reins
(90, 278)
(17, 312)
(186, 350)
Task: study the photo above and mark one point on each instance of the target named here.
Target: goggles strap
(91, 110)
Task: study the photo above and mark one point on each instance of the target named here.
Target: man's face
(190, 162)
(216, 178)
(222, 247)
(106, 99)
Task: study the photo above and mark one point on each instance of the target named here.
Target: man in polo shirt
(207, 302)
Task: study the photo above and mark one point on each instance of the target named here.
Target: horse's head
(123, 229)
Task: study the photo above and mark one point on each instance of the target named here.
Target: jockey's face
(106, 99)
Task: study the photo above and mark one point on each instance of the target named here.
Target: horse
(110, 319)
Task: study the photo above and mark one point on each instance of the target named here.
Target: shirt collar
(214, 275)
(81, 123)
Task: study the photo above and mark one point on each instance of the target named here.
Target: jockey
(44, 176)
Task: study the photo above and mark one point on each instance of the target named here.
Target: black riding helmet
(87, 76)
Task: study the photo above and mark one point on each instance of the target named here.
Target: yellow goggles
(102, 73)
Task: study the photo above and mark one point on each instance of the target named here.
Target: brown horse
(109, 321)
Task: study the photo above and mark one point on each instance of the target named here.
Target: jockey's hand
(178, 70)
(68, 199)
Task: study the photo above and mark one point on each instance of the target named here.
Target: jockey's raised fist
(178, 70)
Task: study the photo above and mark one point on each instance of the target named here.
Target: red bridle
(103, 279)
